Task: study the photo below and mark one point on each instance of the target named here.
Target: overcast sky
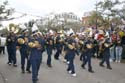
(43, 7)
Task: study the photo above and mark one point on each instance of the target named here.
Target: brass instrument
(34, 44)
(81, 42)
(37, 44)
(12, 28)
(61, 40)
(20, 40)
(26, 39)
(70, 46)
(31, 44)
(89, 46)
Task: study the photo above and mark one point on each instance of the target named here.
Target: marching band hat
(25, 30)
(34, 32)
(34, 29)
(71, 34)
(23, 27)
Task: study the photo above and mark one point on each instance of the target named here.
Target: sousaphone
(13, 28)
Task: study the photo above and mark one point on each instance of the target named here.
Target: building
(85, 18)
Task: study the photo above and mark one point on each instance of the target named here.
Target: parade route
(58, 73)
(1, 78)
(62, 41)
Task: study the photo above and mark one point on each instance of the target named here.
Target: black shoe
(35, 82)
(28, 71)
(91, 71)
(49, 66)
(56, 58)
(37, 79)
(23, 71)
(109, 68)
(101, 65)
(80, 59)
(83, 66)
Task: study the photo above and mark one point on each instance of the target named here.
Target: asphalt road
(58, 73)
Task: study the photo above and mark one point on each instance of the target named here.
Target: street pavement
(58, 73)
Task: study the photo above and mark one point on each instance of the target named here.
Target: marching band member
(11, 48)
(71, 51)
(36, 45)
(59, 46)
(106, 53)
(24, 50)
(88, 54)
(66, 49)
(81, 48)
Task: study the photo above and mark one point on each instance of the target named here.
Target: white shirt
(2, 41)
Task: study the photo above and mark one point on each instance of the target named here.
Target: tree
(5, 12)
(122, 12)
(95, 19)
(109, 11)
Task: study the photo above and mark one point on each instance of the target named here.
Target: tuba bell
(13, 28)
